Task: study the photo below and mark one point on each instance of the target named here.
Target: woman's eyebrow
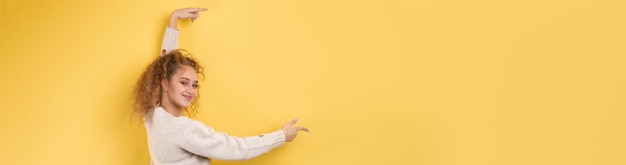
(187, 79)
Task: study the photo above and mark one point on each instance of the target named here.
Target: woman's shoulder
(161, 116)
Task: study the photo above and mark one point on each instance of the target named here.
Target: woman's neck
(172, 109)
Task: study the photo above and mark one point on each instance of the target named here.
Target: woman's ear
(164, 85)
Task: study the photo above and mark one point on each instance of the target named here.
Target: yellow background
(445, 82)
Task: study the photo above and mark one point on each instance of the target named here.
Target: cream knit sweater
(181, 140)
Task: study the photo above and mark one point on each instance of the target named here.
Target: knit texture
(181, 140)
(170, 40)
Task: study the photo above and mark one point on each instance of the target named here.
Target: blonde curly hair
(148, 90)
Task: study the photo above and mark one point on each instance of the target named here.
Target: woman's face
(182, 88)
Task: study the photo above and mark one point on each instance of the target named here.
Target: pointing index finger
(199, 9)
(303, 129)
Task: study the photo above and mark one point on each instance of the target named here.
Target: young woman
(167, 88)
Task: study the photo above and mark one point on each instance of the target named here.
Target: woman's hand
(185, 13)
(291, 131)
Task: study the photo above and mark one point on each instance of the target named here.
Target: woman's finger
(290, 123)
(302, 129)
(200, 9)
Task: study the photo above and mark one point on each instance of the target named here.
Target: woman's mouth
(189, 98)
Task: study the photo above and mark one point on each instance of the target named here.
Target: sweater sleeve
(170, 40)
(206, 142)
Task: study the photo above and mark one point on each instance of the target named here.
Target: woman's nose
(191, 90)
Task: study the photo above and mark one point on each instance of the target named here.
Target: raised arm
(170, 37)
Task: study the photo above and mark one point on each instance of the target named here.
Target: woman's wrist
(173, 21)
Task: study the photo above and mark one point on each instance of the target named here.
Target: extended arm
(206, 142)
(170, 37)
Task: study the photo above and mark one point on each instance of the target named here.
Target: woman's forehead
(187, 72)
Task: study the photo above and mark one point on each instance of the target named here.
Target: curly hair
(148, 90)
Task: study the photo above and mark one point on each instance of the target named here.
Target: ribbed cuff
(267, 142)
(274, 139)
(278, 137)
(170, 40)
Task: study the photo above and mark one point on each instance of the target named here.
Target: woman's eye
(184, 83)
(195, 85)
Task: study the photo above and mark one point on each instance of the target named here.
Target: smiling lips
(189, 98)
